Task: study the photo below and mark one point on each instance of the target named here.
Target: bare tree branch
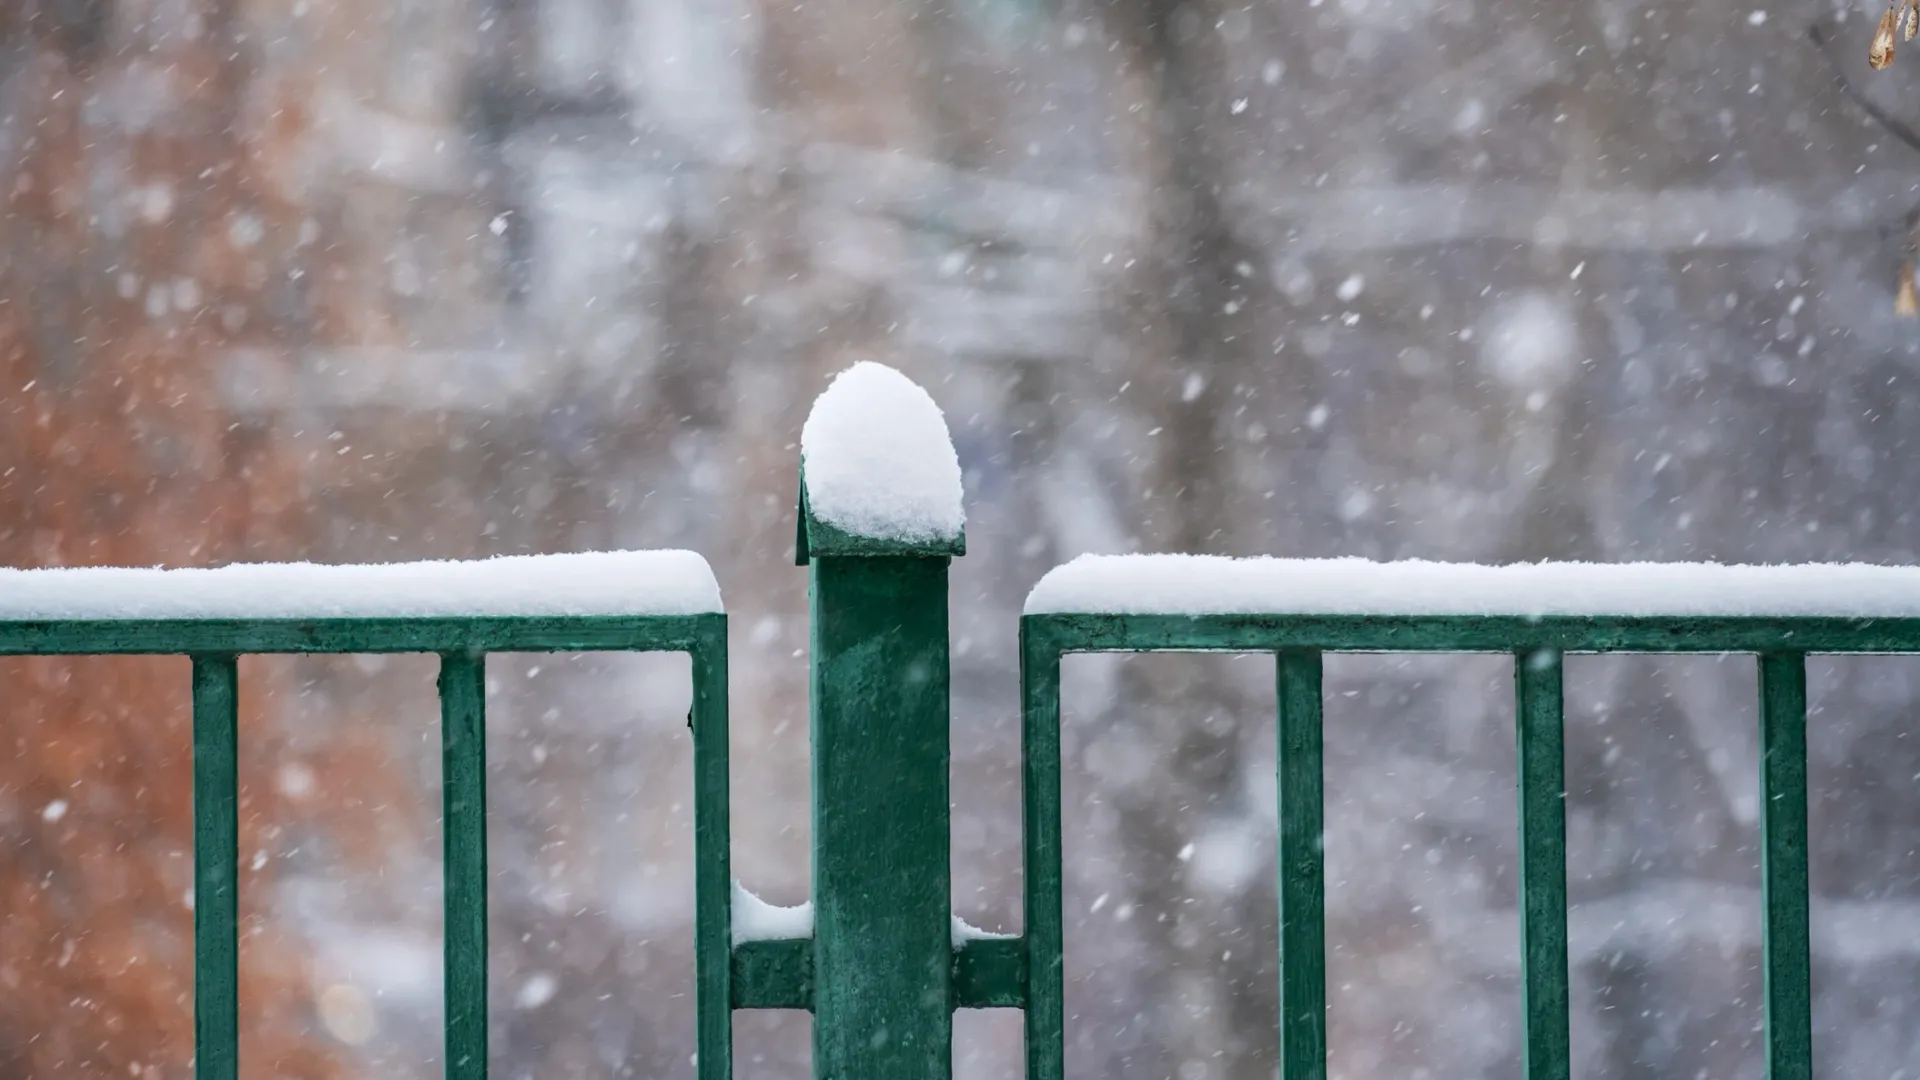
(1895, 126)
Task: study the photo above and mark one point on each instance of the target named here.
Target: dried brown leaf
(1880, 54)
(1906, 296)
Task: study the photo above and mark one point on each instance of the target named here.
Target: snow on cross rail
(591, 583)
(1216, 585)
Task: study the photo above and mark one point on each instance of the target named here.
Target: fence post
(883, 947)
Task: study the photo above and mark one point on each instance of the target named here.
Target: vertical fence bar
(1783, 865)
(216, 868)
(463, 777)
(712, 885)
(1303, 938)
(1040, 785)
(882, 863)
(1540, 723)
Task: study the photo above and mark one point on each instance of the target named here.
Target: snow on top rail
(878, 459)
(1214, 585)
(593, 583)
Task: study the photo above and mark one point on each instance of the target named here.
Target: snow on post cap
(592, 583)
(878, 471)
(1214, 585)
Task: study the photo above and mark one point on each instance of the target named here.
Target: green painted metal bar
(1302, 859)
(882, 875)
(773, 974)
(463, 743)
(990, 973)
(1476, 633)
(1539, 720)
(987, 974)
(1074, 633)
(1783, 862)
(1040, 784)
(529, 633)
(216, 868)
(712, 885)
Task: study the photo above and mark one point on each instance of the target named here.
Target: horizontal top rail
(1201, 585)
(1071, 633)
(602, 583)
(447, 634)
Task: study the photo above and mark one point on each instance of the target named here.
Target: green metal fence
(1538, 645)
(884, 968)
(462, 643)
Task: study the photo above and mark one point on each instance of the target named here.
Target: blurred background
(1462, 279)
